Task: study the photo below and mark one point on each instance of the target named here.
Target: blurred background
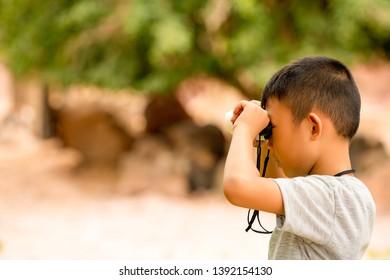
(112, 140)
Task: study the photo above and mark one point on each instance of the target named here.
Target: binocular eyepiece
(265, 133)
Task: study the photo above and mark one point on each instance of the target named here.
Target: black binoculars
(266, 132)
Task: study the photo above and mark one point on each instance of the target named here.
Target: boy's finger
(238, 110)
(257, 102)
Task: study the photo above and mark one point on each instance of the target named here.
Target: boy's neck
(333, 159)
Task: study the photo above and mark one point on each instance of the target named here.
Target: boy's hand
(249, 114)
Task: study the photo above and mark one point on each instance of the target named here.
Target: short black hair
(318, 82)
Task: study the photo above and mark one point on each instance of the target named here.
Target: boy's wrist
(244, 129)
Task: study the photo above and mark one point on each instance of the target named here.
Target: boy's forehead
(277, 109)
(274, 104)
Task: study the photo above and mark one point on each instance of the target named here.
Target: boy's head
(320, 83)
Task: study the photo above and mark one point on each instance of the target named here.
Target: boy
(323, 211)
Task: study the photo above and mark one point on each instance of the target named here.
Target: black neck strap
(345, 172)
(255, 214)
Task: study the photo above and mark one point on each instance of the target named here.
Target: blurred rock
(373, 81)
(182, 159)
(95, 133)
(377, 180)
(202, 147)
(370, 150)
(207, 99)
(367, 152)
(163, 111)
(372, 163)
(173, 151)
(197, 148)
(152, 166)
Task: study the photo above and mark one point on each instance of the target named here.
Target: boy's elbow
(233, 189)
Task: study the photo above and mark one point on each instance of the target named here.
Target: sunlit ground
(47, 214)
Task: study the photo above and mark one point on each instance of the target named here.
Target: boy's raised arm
(242, 183)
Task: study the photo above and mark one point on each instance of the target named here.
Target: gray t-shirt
(326, 217)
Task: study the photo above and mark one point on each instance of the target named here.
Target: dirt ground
(47, 213)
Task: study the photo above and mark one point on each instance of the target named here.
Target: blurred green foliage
(152, 45)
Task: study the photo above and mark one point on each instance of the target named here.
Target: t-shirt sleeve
(309, 205)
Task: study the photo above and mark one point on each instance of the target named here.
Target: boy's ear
(315, 124)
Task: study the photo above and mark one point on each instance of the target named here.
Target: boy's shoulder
(322, 188)
(323, 178)
(321, 183)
